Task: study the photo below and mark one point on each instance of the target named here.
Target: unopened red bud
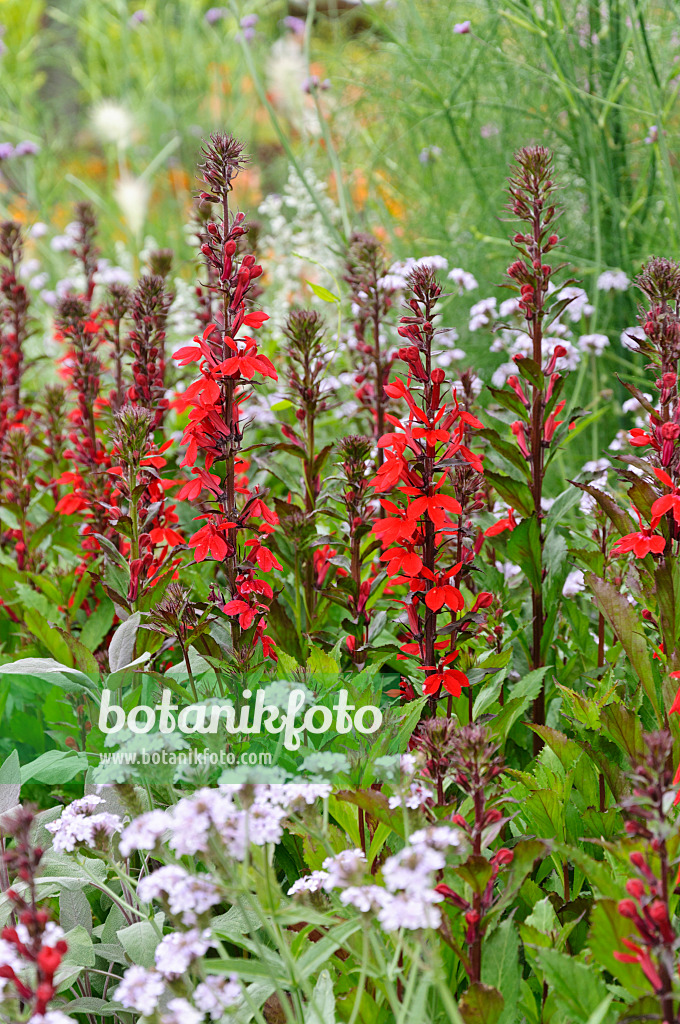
(438, 376)
(627, 909)
(553, 240)
(635, 888)
(472, 918)
(504, 856)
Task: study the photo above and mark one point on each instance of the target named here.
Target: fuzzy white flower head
(365, 897)
(310, 883)
(632, 404)
(132, 195)
(410, 869)
(417, 796)
(578, 306)
(574, 583)
(112, 123)
(439, 837)
(343, 869)
(176, 952)
(631, 336)
(481, 313)
(180, 1011)
(78, 824)
(465, 281)
(392, 282)
(613, 281)
(411, 912)
(595, 343)
(140, 990)
(216, 994)
(144, 832)
(433, 262)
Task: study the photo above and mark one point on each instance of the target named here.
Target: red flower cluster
(34, 952)
(228, 359)
(417, 530)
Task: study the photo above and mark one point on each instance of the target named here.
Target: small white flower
(216, 994)
(578, 306)
(310, 883)
(417, 796)
(573, 584)
(631, 336)
(144, 832)
(411, 912)
(410, 869)
(433, 262)
(112, 123)
(595, 343)
(180, 1011)
(439, 837)
(465, 281)
(343, 869)
(140, 990)
(365, 897)
(613, 281)
(176, 952)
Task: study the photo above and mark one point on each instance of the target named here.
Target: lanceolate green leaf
(623, 619)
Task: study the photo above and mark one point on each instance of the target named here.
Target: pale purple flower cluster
(176, 952)
(187, 896)
(216, 813)
(408, 898)
(80, 824)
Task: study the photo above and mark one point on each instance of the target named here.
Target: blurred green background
(426, 101)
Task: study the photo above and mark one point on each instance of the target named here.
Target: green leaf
(512, 491)
(607, 930)
(578, 989)
(524, 548)
(623, 619)
(122, 646)
(55, 767)
(501, 968)
(139, 940)
(323, 293)
(620, 519)
(481, 1004)
(97, 625)
(10, 782)
(321, 1009)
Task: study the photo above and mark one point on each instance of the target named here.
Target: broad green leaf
(481, 1004)
(524, 548)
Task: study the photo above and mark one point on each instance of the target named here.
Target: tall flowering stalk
(228, 360)
(419, 529)
(84, 249)
(355, 589)
(649, 529)
(149, 307)
(304, 331)
(475, 767)
(114, 311)
(79, 330)
(533, 395)
(652, 820)
(365, 271)
(33, 946)
(14, 323)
